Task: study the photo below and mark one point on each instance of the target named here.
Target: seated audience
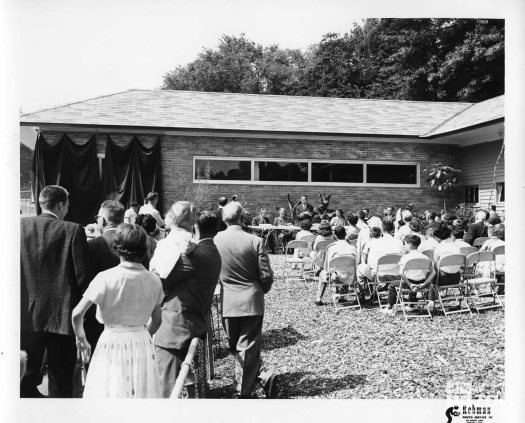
(389, 214)
(281, 237)
(361, 221)
(448, 275)
(476, 229)
(352, 229)
(412, 227)
(430, 243)
(387, 244)
(497, 238)
(339, 248)
(263, 219)
(338, 219)
(324, 233)
(457, 235)
(415, 279)
(364, 236)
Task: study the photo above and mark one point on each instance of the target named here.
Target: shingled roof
(251, 112)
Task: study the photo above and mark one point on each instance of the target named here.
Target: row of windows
(471, 193)
(299, 172)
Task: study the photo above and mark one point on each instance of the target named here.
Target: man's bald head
(181, 214)
(222, 201)
(232, 213)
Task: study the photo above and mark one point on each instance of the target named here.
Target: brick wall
(177, 168)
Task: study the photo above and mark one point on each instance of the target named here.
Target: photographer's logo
(452, 411)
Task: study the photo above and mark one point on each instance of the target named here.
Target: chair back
(344, 263)
(480, 256)
(429, 254)
(353, 242)
(297, 244)
(478, 242)
(418, 264)
(323, 245)
(499, 250)
(452, 260)
(310, 239)
(466, 251)
(387, 261)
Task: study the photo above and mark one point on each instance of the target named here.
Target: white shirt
(125, 295)
(414, 275)
(460, 243)
(149, 209)
(428, 244)
(361, 225)
(491, 244)
(446, 248)
(130, 216)
(387, 244)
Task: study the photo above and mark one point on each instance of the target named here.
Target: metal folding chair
(499, 252)
(453, 294)
(384, 263)
(353, 242)
(478, 242)
(294, 264)
(309, 262)
(413, 264)
(429, 254)
(341, 290)
(468, 250)
(479, 286)
(320, 252)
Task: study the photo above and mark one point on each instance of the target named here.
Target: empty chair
(342, 282)
(429, 254)
(384, 263)
(478, 242)
(451, 293)
(481, 281)
(404, 289)
(294, 265)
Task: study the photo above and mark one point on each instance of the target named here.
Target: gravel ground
(365, 354)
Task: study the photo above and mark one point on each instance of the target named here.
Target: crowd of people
(127, 294)
(128, 302)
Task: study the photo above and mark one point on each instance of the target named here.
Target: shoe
(318, 303)
(409, 308)
(389, 311)
(271, 387)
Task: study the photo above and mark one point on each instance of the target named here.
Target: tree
(443, 177)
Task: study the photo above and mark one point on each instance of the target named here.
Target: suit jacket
(301, 209)
(221, 226)
(475, 230)
(189, 292)
(246, 274)
(53, 272)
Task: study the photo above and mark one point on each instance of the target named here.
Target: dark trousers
(169, 361)
(392, 293)
(61, 360)
(244, 339)
(445, 279)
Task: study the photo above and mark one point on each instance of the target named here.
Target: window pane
(281, 172)
(500, 188)
(471, 194)
(224, 170)
(391, 174)
(337, 172)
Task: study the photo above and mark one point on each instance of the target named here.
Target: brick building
(262, 147)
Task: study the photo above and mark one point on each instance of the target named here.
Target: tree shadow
(279, 338)
(308, 384)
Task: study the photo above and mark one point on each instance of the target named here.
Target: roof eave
(466, 128)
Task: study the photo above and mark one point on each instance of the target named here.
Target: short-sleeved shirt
(387, 244)
(428, 244)
(125, 295)
(445, 248)
(413, 275)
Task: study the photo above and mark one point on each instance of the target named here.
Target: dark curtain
(131, 172)
(72, 166)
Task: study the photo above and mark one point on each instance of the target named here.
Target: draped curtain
(72, 166)
(130, 172)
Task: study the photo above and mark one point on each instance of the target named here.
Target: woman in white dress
(123, 364)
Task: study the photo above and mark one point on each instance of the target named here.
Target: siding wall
(177, 169)
(477, 163)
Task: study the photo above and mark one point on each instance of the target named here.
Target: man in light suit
(189, 289)
(53, 274)
(245, 277)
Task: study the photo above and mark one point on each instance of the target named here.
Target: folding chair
(343, 265)
(429, 254)
(480, 286)
(453, 293)
(309, 262)
(413, 264)
(478, 242)
(386, 261)
(292, 263)
(353, 242)
(320, 252)
(466, 251)
(499, 252)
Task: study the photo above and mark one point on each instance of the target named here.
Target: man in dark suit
(304, 210)
(245, 277)
(221, 226)
(476, 229)
(53, 274)
(102, 257)
(189, 289)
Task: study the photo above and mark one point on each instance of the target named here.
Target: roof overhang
(478, 134)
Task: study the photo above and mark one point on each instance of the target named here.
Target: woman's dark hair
(352, 219)
(375, 232)
(324, 229)
(458, 232)
(341, 211)
(130, 242)
(151, 196)
(442, 232)
(147, 222)
(305, 224)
